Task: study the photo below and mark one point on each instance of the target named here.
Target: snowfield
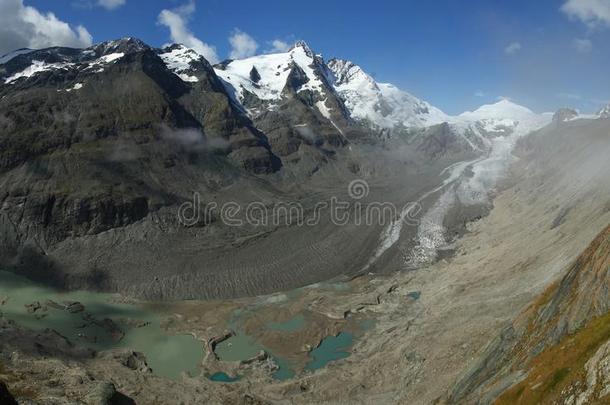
(383, 105)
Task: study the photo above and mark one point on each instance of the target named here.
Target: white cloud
(242, 45)
(277, 46)
(590, 12)
(26, 27)
(111, 4)
(479, 93)
(582, 45)
(176, 20)
(512, 48)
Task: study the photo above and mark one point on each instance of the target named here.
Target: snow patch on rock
(37, 66)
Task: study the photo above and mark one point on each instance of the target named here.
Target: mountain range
(290, 98)
(453, 258)
(103, 144)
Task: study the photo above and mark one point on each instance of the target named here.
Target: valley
(107, 295)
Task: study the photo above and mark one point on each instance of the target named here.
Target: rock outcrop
(6, 398)
(565, 114)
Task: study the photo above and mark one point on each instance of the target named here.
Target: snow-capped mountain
(265, 76)
(381, 105)
(125, 88)
(567, 114)
(182, 61)
(501, 119)
(294, 98)
(26, 63)
(290, 97)
(500, 110)
(260, 82)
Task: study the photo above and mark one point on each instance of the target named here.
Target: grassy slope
(559, 366)
(563, 365)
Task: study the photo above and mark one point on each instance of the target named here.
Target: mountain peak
(124, 45)
(501, 109)
(381, 104)
(303, 45)
(507, 103)
(565, 114)
(604, 112)
(346, 71)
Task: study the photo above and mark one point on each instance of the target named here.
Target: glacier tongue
(509, 121)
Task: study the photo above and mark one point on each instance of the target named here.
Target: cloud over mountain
(26, 27)
(177, 22)
(242, 45)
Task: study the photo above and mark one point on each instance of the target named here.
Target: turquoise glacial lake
(168, 355)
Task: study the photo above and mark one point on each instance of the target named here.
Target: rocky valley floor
(423, 335)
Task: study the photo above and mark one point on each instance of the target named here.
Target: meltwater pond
(237, 348)
(223, 377)
(101, 325)
(332, 348)
(243, 347)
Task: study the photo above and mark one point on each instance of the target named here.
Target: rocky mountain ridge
(69, 88)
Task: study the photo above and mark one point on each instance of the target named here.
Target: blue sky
(455, 54)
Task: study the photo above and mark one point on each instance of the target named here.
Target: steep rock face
(582, 295)
(98, 139)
